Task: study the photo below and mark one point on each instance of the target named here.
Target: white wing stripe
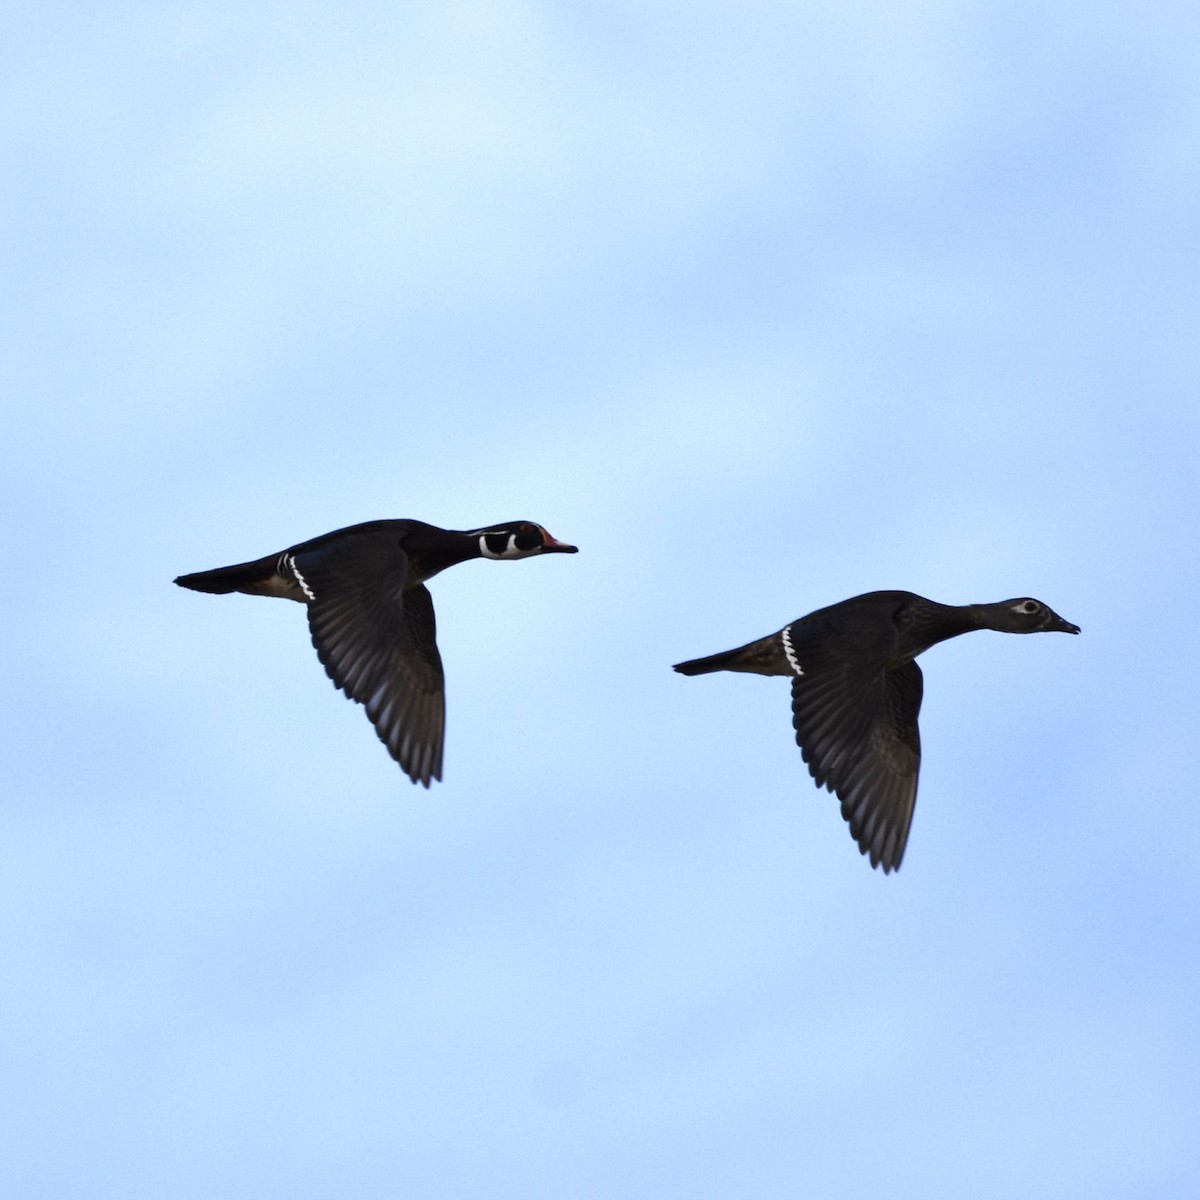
(793, 661)
(300, 578)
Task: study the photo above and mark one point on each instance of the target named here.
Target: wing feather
(856, 724)
(376, 639)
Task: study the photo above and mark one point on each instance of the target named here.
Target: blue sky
(760, 305)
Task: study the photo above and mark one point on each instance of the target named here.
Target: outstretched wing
(856, 725)
(376, 640)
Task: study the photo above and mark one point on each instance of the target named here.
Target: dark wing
(856, 725)
(376, 640)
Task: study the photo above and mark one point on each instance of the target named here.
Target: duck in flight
(856, 693)
(371, 616)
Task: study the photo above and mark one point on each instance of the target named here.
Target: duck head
(518, 539)
(1027, 615)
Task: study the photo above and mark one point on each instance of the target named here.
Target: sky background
(762, 305)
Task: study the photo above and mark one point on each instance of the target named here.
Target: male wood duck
(856, 693)
(371, 616)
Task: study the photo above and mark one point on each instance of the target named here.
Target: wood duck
(856, 693)
(371, 616)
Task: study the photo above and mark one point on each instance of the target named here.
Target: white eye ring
(1029, 607)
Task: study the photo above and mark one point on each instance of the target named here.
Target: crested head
(517, 539)
(1027, 615)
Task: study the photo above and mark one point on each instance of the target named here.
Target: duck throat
(925, 623)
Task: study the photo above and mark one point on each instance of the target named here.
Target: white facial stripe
(793, 661)
(511, 550)
(300, 579)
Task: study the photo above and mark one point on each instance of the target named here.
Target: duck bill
(553, 546)
(1057, 624)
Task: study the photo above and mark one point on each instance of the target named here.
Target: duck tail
(764, 656)
(712, 662)
(248, 577)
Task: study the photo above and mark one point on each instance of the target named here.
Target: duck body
(856, 696)
(371, 617)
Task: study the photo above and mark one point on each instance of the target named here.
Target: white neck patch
(510, 550)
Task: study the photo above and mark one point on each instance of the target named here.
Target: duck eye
(1029, 607)
(527, 537)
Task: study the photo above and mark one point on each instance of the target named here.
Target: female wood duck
(856, 693)
(371, 616)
